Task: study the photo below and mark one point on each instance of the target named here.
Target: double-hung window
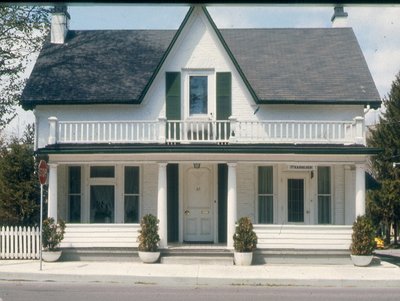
(74, 194)
(265, 195)
(131, 194)
(324, 195)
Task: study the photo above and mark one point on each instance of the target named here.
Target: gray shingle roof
(103, 66)
(281, 65)
(297, 65)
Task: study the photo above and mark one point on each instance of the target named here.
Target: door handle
(187, 212)
(307, 211)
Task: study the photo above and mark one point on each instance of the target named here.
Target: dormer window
(198, 102)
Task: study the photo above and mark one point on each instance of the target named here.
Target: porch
(276, 244)
(230, 131)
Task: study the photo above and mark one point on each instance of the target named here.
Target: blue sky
(377, 28)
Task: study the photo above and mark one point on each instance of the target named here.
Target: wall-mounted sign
(300, 167)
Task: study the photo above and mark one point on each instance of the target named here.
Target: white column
(162, 204)
(360, 189)
(52, 193)
(232, 204)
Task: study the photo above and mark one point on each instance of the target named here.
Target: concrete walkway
(376, 275)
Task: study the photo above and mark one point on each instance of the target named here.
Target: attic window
(198, 102)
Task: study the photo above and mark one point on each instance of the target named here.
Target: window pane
(295, 200)
(131, 180)
(131, 209)
(74, 179)
(265, 180)
(198, 95)
(102, 204)
(74, 208)
(324, 209)
(324, 180)
(102, 171)
(265, 209)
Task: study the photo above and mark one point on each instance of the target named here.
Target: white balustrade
(209, 131)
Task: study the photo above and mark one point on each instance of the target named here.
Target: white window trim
(132, 194)
(211, 97)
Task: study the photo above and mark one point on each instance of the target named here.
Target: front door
(198, 205)
(298, 207)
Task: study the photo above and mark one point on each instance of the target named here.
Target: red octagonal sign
(42, 172)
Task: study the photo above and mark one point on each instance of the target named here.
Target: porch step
(208, 255)
(100, 254)
(299, 256)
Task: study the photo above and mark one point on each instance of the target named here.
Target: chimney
(59, 24)
(339, 18)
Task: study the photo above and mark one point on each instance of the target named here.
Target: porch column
(162, 204)
(52, 193)
(232, 204)
(360, 189)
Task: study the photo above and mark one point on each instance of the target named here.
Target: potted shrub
(148, 239)
(363, 241)
(244, 242)
(52, 236)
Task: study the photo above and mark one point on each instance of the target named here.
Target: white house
(201, 126)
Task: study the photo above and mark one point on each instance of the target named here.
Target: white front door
(198, 205)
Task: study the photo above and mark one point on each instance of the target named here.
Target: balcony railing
(207, 131)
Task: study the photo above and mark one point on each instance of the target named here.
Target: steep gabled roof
(323, 65)
(102, 66)
(277, 65)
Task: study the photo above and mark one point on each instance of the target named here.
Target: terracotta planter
(361, 260)
(149, 257)
(51, 256)
(243, 258)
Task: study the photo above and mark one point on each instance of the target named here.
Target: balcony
(230, 131)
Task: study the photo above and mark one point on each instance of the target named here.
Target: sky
(377, 28)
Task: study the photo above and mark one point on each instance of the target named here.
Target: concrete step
(205, 260)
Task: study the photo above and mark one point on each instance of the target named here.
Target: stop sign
(42, 172)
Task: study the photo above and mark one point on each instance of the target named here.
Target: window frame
(272, 194)
(211, 93)
(330, 195)
(138, 195)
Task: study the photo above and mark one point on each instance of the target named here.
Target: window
(74, 194)
(198, 95)
(324, 195)
(295, 200)
(131, 194)
(265, 195)
(102, 172)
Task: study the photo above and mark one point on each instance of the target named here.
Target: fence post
(359, 138)
(234, 133)
(52, 130)
(162, 129)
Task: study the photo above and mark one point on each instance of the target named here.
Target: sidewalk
(378, 275)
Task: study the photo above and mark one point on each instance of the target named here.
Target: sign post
(42, 179)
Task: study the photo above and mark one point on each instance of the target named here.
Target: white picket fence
(19, 242)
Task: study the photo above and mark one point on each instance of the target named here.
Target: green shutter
(173, 202)
(224, 101)
(222, 201)
(224, 95)
(173, 95)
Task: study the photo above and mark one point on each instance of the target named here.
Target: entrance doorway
(198, 208)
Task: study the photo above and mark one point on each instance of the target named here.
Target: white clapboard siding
(100, 236)
(319, 237)
(19, 242)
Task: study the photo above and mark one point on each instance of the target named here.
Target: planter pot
(361, 260)
(149, 257)
(51, 256)
(244, 258)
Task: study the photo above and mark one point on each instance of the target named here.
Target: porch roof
(305, 149)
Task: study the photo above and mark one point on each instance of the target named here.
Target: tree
(385, 202)
(19, 186)
(22, 32)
